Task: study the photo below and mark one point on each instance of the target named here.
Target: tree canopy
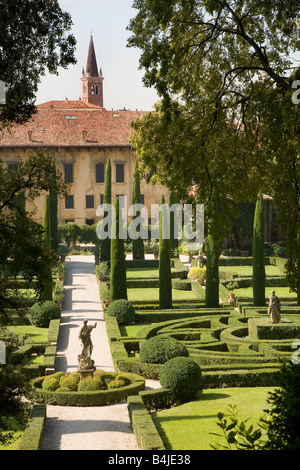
(34, 37)
(226, 127)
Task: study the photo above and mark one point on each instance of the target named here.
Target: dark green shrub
(160, 349)
(41, 313)
(50, 383)
(62, 389)
(183, 376)
(122, 310)
(59, 374)
(259, 275)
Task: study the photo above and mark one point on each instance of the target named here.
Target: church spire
(91, 65)
(92, 79)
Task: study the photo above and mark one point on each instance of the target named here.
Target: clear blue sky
(107, 20)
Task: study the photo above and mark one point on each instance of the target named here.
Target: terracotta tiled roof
(72, 123)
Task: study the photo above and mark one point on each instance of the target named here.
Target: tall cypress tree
(105, 243)
(53, 216)
(173, 241)
(118, 288)
(165, 281)
(47, 283)
(259, 274)
(212, 270)
(137, 244)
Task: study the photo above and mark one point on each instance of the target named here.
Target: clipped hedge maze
(231, 349)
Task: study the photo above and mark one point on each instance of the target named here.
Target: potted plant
(100, 270)
(231, 286)
(62, 252)
(104, 292)
(96, 251)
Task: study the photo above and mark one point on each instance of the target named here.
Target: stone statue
(274, 308)
(84, 359)
(200, 260)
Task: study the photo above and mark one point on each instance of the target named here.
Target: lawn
(281, 292)
(38, 335)
(142, 273)
(152, 294)
(189, 426)
(132, 330)
(247, 270)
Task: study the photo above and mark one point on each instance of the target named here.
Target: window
(69, 220)
(119, 172)
(69, 202)
(12, 166)
(89, 221)
(101, 199)
(99, 172)
(142, 199)
(69, 172)
(89, 202)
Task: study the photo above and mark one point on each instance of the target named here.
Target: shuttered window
(69, 172)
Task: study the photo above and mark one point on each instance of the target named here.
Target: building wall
(84, 160)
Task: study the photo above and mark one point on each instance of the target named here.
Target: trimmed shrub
(160, 349)
(122, 310)
(197, 274)
(50, 383)
(70, 381)
(41, 313)
(183, 376)
(90, 384)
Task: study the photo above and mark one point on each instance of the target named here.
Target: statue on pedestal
(84, 359)
(274, 308)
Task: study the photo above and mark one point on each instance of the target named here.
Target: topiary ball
(122, 310)
(160, 349)
(41, 313)
(50, 383)
(70, 381)
(91, 384)
(183, 375)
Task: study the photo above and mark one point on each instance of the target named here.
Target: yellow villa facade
(82, 135)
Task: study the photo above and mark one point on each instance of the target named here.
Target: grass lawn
(280, 292)
(132, 330)
(188, 427)
(247, 270)
(152, 294)
(38, 335)
(141, 273)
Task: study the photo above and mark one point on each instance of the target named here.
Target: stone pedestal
(84, 373)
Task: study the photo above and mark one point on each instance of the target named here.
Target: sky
(107, 21)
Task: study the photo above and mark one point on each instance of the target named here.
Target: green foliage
(236, 433)
(183, 376)
(212, 271)
(50, 47)
(70, 233)
(137, 244)
(101, 270)
(122, 310)
(41, 313)
(70, 381)
(283, 418)
(47, 283)
(160, 349)
(22, 237)
(50, 383)
(91, 384)
(198, 274)
(118, 289)
(105, 243)
(165, 280)
(259, 275)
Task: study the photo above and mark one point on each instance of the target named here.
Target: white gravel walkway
(85, 428)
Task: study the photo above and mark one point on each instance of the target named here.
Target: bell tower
(92, 80)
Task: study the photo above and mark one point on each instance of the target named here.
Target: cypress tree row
(137, 244)
(259, 274)
(165, 281)
(105, 243)
(212, 271)
(118, 289)
(47, 283)
(173, 241)
(53, 217)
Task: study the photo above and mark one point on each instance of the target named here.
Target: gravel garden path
(85, 428)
